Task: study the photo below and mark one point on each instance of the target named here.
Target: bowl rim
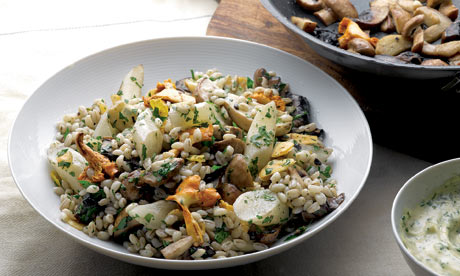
(395, 226)
(198, 264)
(287, 23)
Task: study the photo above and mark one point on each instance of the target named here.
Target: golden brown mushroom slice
(310, 5)
(326, 16)
(123, 224)
(342, 8)
(400, 17)
(238, 173)
(434, 62)
(361, 46)
(411, 26)
(176, 249)
(451, 33)
(392, 45)
(446, 50)
(437, 23)
(98, 162)
(449, 9)
(304, 24)
(388, 26)
(378, 12)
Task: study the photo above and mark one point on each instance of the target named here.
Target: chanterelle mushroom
(351, 30)
(97, 162)
(188, 193)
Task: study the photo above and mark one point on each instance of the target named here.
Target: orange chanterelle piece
(351, 30)
(188, 193)
(98, 162)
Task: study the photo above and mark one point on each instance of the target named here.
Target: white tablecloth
(38, 38)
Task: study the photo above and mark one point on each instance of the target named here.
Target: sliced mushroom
(123, 224)
(270, 237)
(418, 41)
(162, 171)
(181, 86)
(326, 16)
(410, 57)
(237, 145)
(409, 5)
(452, 32)
(259, 74)
(202, 90)
(361, 46)
(342, 8)
(392, 45)
(229, 193)
(447, 50)
(131, 189)
(387, 25)
(411, 25)
(237, 172)
(437, 23)
(219, 133)
(310, 5)
(378, 12)
(449, 9)
(434, 3)
(238, 117)
(304, 24)
(434, 62)
(400, 17)
(176, 249)
(455, 60)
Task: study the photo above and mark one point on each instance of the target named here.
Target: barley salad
(210, 166)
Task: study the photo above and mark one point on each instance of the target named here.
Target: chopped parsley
(263, 135)
(148, 217)
(122, 117)
(67, 131)
(253, 169)
(221, 234)
(267, 219)
(259, 217)
(326, 172)
(135, 80)
(85, 183)
(268, 197)
(268, 115)
(215, 167)
(72, 174)
(63, 164)
(62, 152)
(268, 170)
(209, 143)
(144, 152)
(119, 93)
(123, 223)
(286, 162)
(297, 233)
(156, 113)
(250, 82)
(165, 169)
(193, 74)
(298, 116)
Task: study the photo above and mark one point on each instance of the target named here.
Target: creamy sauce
(431, 231)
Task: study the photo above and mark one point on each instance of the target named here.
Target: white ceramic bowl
(416, 189)
(99, 75)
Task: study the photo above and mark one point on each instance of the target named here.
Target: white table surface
(38, 38)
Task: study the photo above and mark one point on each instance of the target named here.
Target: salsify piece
(188, 193)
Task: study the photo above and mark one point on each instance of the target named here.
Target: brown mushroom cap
(411, 25)
(388, 26)
(326, 16)
(361, 46)
(400, 17)
(258, 75)
(452, 32)
(418, 41)
(342, 8)
(237, 145)
(437, 23)
(449, 10)
(378, 12)
(237, 172)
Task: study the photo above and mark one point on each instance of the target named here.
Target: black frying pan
(284, 9)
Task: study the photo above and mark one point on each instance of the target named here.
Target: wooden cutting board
(411, 116)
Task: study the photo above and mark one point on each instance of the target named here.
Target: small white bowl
(419, 187)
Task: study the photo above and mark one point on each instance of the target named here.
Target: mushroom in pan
(371, 18)
(351, 30)
(400, 16)
(446, 50)
(410, 27)
(452, 32)
(409, 5)
(418, 41)
(304, 24)
(455, 60)
(388, 26)
(434, 62)
(392, 45)
(326, 16)
(361, 46)
(310, 5)
(342, 8)
(437, 23)
(449, 9)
